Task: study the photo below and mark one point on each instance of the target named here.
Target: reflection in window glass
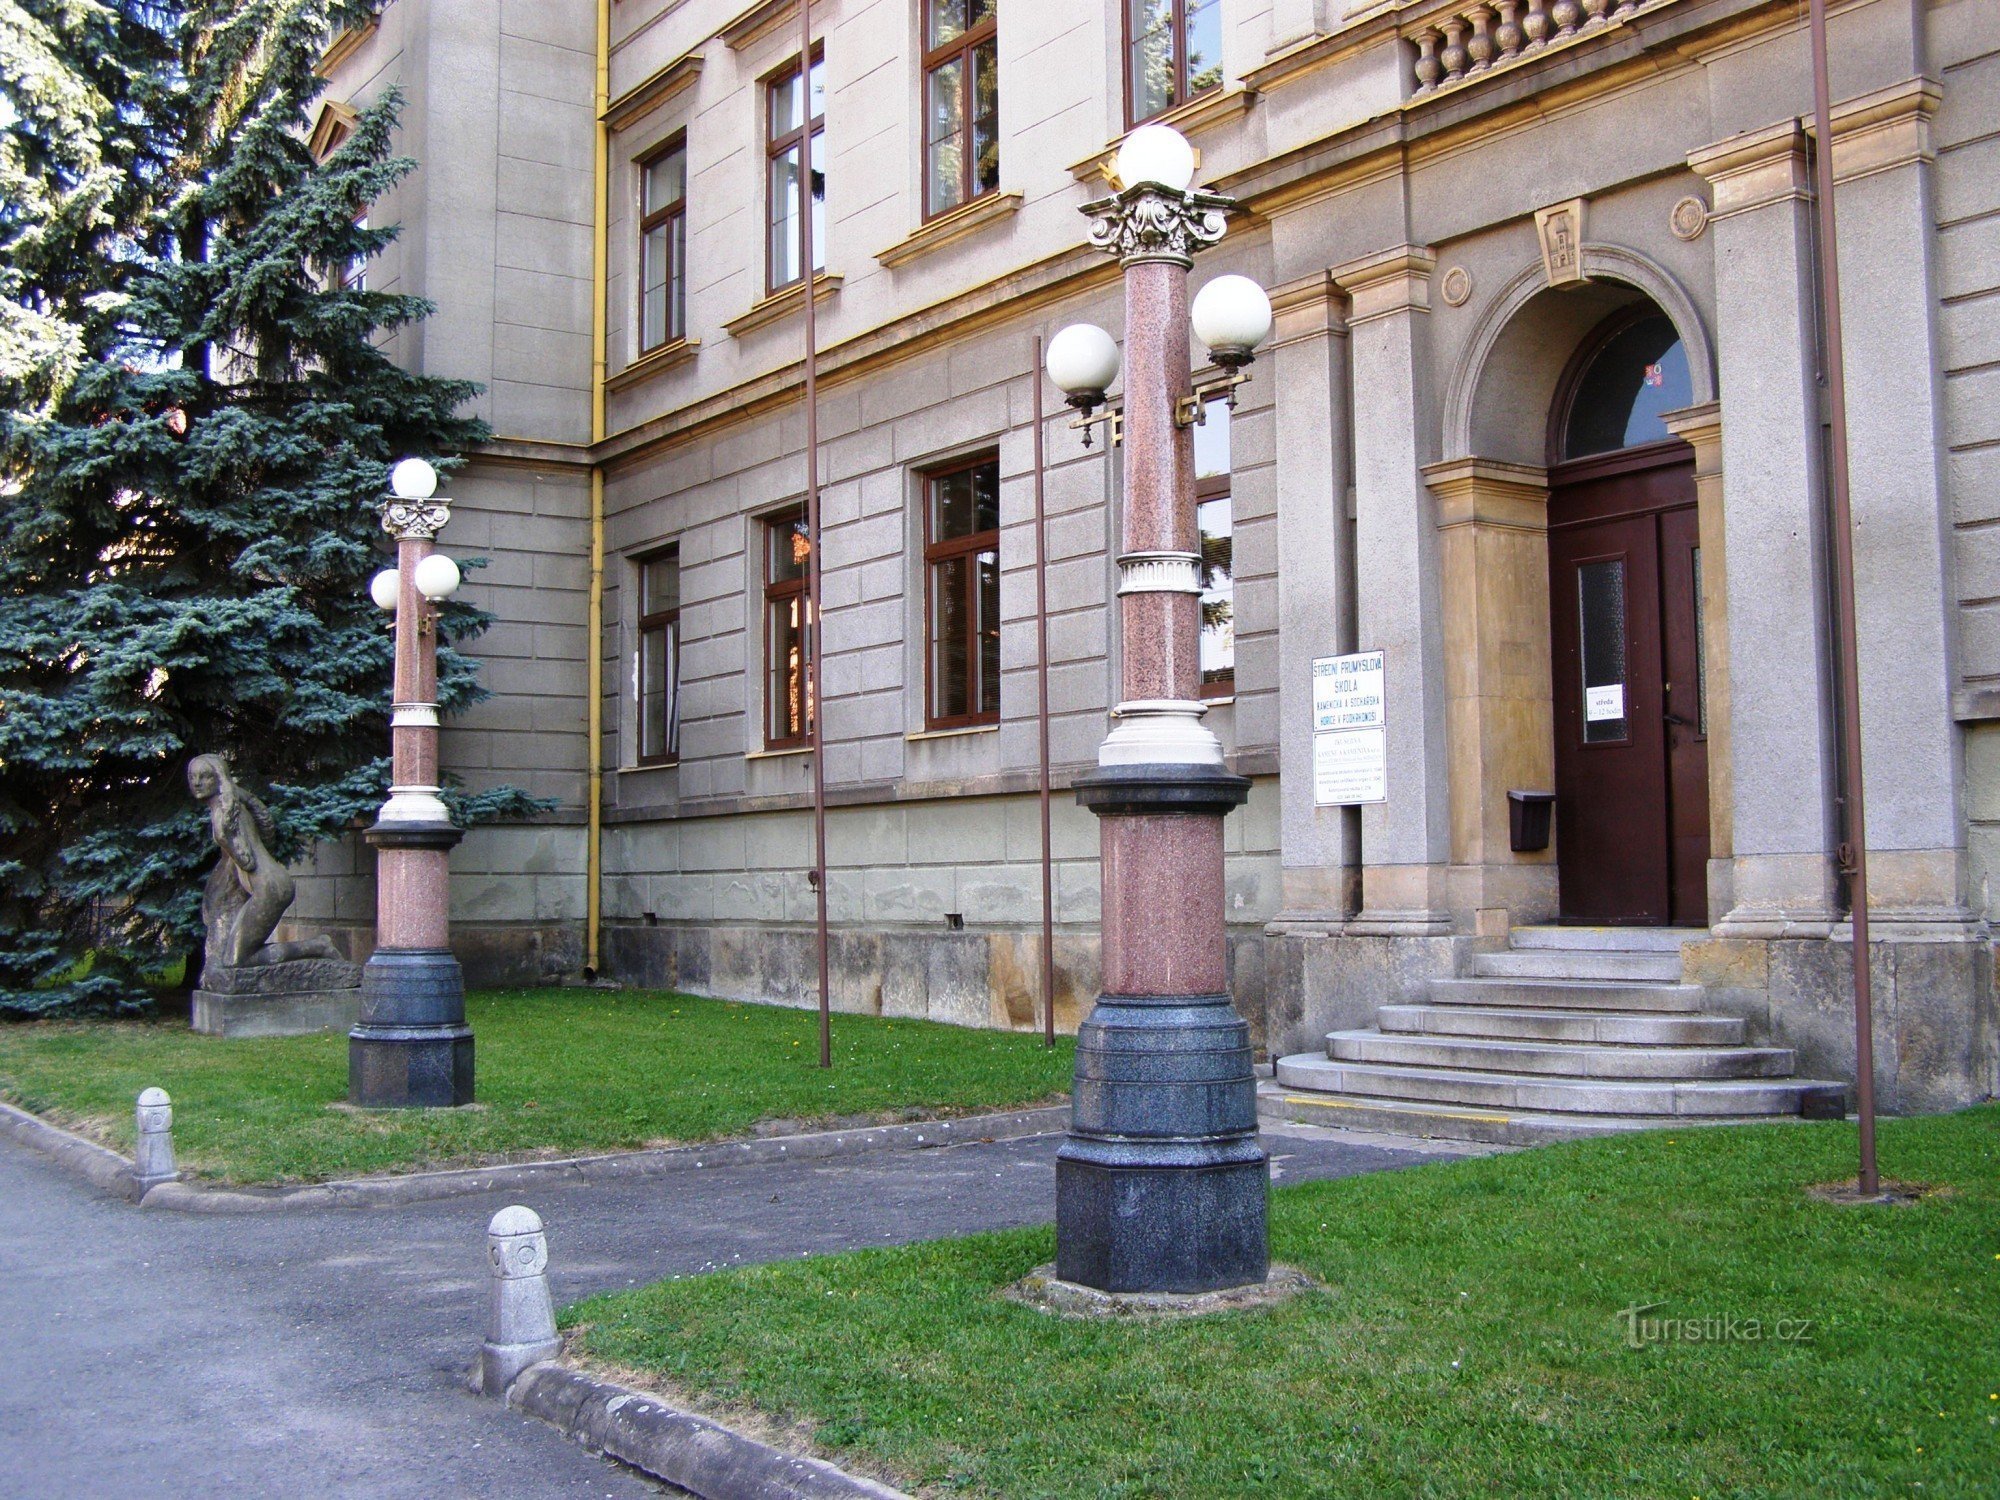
(788, 131)
(962, 559)
(787, 614)
(1600, 588)
(1639, 375)
(659, 658)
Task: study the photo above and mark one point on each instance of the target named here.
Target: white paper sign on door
(1350, 766)
(1607, 702)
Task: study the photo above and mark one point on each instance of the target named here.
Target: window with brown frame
(961, 102)
(962, 594)
(663, 247)
(787, 634)
(658, 678)
(1215, 519)
(795, 109)
(1173, 51)
(352, 276)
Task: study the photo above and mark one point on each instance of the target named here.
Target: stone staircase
(1569, 1031)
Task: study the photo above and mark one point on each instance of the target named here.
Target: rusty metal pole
(1042, 719)
(1854, 848)
(815, 709)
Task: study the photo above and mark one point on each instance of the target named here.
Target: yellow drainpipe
(594, 648)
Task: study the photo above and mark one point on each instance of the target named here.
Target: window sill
(654, 362)
(1203, 112)
(949, 227)
(777, 754)
(640, 768)
(952, 734)
(1222, 702)
(779, 304)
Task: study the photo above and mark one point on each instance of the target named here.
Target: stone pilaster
(1405, 841)
(1780, 707)
(1493, 556)
(1307, 359)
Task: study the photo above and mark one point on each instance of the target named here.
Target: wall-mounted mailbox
(1528, 815)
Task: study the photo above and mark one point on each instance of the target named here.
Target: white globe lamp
(437, 577)
(384, 587)
(1158, 154)
(1083, 361)
(1231, 316)
(413, 479)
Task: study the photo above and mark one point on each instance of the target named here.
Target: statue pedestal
(296, 998)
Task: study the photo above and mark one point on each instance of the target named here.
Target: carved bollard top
(155, 1112)
(516, 1244)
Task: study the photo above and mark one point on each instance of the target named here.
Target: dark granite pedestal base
(412, 1048)
(1162, 1183)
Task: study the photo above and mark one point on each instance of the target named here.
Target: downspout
(593, 856)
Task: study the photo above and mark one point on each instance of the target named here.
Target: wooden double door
(1630, 712)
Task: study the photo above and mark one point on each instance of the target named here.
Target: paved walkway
(323, 1353)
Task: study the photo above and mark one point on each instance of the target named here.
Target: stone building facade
(1542, 421)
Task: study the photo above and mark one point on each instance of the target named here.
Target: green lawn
(1467, 1342)
(560, 1071)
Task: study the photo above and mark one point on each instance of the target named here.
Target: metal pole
(1854, 848)
(814, 708)
(1042, 720)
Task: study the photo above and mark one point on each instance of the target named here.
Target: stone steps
(1633, 1028)
(1568, 1060)
(1568, 994)
(1663, 1101)
(1444, 1122)
(1640, 965)
(1617, 939)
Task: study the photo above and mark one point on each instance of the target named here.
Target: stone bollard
(154, 1160)
(521, 1326)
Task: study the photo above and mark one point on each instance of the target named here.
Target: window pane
(988, 564)
(1152, 60)
(784, 189)
(1204, 45)
(951, 640)
(677, 276)
(1211, 441)
(791, 549)
(965, 503)
(985, 117)
(791, 704)
(1639, 375)
(659, 693)
(666, 180)
(819, 199)
(660, 584)
(785, 97)
(947, 22)
(819, 88)
(944, 133)
(1217, 521)
(1600, 588)
(653, 270)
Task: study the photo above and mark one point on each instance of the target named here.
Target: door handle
(1674, 718)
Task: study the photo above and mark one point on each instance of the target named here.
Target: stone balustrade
(1468, 40)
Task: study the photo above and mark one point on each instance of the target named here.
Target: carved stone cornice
(415, 520)
(1146, 222)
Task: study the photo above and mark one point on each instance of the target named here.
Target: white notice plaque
(1347, 691)
(1350, 766)
(1606, 702)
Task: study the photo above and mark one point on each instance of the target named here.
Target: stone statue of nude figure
(249, 889)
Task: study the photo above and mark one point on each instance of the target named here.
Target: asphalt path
(324, 1352)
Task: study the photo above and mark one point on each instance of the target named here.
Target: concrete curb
(700, 1456)
(99, 1165)
(114, 1173)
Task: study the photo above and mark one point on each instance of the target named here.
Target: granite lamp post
(412, 1047)
(1161, 1184)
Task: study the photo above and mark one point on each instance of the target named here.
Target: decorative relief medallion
(1689, 219)
(1561, 229)
(415, 518)
(1456, 287)
(1146, 222)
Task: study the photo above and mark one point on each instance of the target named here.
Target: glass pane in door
(1600, 588)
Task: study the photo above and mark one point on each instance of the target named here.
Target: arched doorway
(1629, 689)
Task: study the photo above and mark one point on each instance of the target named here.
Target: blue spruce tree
(196, 424)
